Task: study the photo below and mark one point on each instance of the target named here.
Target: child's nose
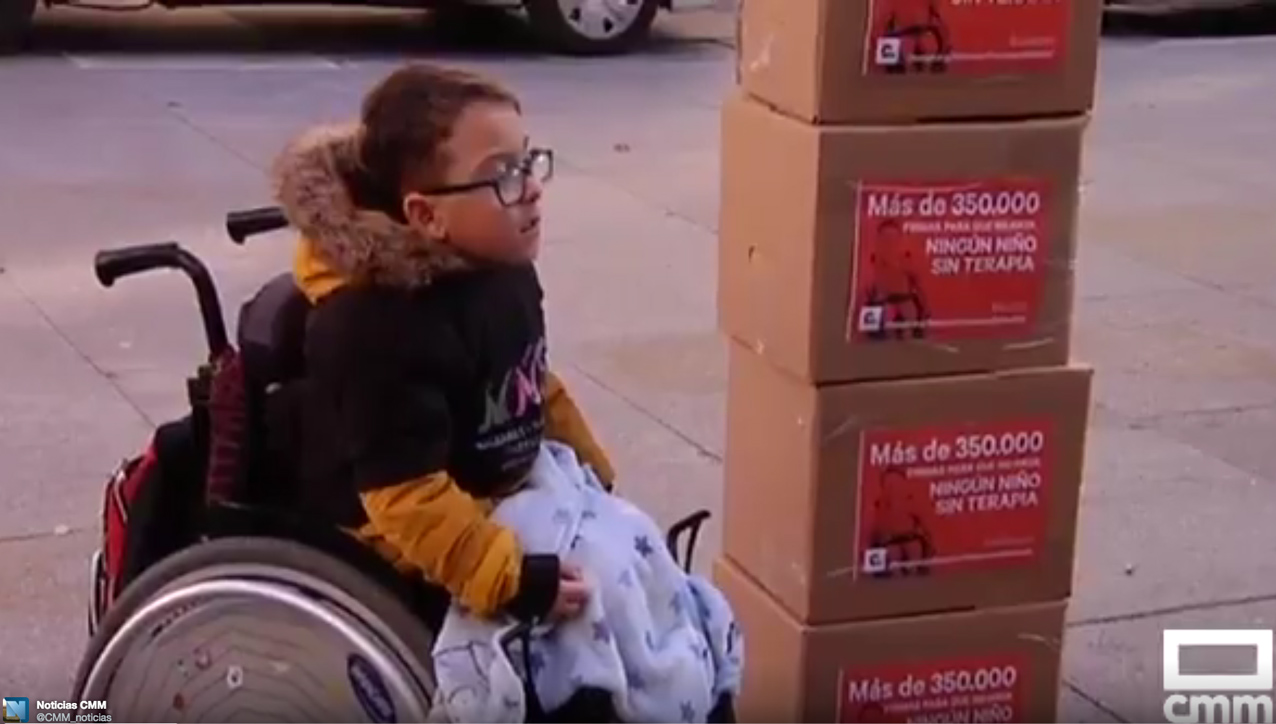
(534, 190)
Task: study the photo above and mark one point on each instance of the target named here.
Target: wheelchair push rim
(256, 641)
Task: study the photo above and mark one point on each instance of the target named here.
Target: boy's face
(887, 248)
(893, 488)
(488, 142)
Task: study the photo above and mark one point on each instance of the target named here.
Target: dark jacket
(427, 391)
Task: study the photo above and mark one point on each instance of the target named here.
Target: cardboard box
(859, 253)
(839, 61)
(997, 665)
(870, 500)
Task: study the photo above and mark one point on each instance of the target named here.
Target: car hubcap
(600, 19)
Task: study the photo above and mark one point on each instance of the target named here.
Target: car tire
(554, 22)
(15, 21)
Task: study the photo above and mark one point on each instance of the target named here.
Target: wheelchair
(255, 615)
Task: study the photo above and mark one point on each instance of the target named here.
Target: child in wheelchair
(427, 403)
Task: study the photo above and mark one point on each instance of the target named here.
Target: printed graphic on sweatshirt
(513, 409)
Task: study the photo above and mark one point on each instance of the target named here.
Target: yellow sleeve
(565, 423)
(437, 527)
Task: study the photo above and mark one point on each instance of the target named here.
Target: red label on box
(941, 499)
(976, 689)
(966, 37)
(946, 261)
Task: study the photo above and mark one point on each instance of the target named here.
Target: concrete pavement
(1176, 295)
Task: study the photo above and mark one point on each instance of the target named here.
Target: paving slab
(1177, 351)
(145, 332)
(50, 93)
(1225, 244)
(1263, 293)
(1119, 663)
(1077, 708)
(1104, 272)
(1165, 525)
(1239, 437)
(45, 612)
(678, 378)
(681, 182)
(659, 271)
(62, 426)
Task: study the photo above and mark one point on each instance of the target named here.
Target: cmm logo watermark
(1217, 698)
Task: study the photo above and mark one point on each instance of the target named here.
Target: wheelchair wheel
(258, 629)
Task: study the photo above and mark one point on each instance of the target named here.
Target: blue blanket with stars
(663, 642)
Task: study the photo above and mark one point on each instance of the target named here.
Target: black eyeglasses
(510, 185)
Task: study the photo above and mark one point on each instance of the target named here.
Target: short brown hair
(406, 119)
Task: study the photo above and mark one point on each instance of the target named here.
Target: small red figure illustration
(895, 287)
(898, 527)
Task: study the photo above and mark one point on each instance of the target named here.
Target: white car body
(670, 5)
(1175, 5)
(681, 5)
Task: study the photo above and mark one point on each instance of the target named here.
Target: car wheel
(15, 20)
(592, 27)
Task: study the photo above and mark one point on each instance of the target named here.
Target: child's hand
(573, 593)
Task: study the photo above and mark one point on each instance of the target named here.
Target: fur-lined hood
(342, 243)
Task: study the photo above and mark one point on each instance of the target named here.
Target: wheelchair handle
(687, 529)
(250, 222)
(111, 265)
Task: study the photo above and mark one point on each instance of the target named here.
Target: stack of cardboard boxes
(905, 432)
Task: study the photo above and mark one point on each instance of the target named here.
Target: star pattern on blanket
(602, 632)
(536, 662)
(642, 544)
(666, 642)
(702, 608)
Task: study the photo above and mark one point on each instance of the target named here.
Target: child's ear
(422, 215)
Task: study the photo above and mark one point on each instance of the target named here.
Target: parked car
(578, 27)
(1175, 5)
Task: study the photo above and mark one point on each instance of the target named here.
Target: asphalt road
(121, 129)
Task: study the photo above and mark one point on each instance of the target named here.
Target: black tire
(15, 21)
(555, 30)
(379, 601)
